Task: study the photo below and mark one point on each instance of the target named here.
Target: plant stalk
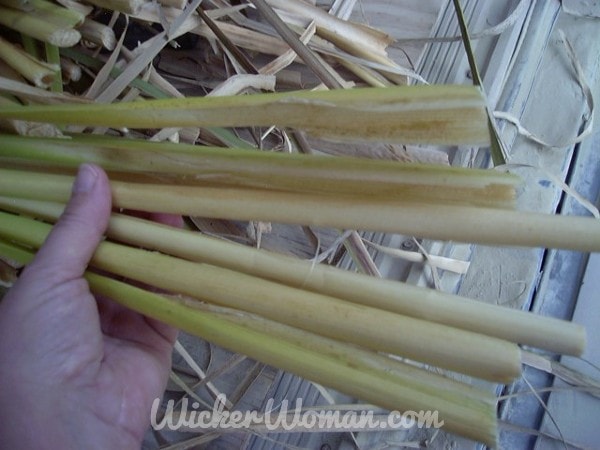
(447, 347)
(53, 57)
(517, 326)
(39, 73)
(433, 221)
(192, 164)
(411, 114)
(36, 27)
(366, 375)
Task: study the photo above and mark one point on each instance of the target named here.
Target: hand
(76, 371)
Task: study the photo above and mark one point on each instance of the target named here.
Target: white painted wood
(576, 413)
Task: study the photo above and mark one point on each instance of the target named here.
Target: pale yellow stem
(505, 323)
(447, 347)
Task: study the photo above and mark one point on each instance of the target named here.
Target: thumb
(73, 240)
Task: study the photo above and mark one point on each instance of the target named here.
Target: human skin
(76, 371)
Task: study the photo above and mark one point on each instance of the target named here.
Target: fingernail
(85, 180)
